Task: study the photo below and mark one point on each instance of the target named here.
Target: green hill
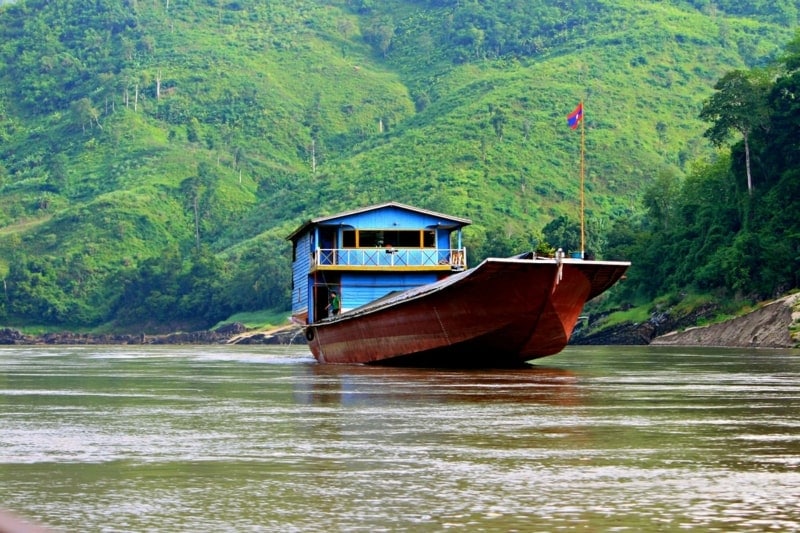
(153, 155)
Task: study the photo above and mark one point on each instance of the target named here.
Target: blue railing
(456, 258)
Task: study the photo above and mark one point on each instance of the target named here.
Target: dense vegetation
(731, 228)
(154, 155)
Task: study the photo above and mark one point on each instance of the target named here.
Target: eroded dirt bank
(770, 326)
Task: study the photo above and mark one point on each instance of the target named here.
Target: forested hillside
(154, 154)
(730, 229)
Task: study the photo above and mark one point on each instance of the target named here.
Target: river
(263, 439)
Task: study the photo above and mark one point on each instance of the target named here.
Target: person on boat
(335, 304)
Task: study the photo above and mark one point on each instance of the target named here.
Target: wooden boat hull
(501, 313)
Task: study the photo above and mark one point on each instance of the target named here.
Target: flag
(575, 117)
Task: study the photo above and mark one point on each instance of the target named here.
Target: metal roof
(319, 220)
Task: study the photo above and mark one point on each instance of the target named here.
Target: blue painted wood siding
(359, 288)
(301, 291)
(390, 218)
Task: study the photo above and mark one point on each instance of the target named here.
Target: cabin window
(395, 238)
(349, 238)
(370, 239)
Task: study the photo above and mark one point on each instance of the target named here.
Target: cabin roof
(459, 221)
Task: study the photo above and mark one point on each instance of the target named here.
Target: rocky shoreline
(229, 334)
(773, 325)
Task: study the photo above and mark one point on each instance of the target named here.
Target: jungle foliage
(731, 227)
(154, 155)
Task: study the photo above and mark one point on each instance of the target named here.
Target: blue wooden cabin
(368, 253)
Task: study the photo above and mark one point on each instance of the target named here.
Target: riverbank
(229, 334)
(775, 324)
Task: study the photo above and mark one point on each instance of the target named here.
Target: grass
(634, 315)
(258, 319)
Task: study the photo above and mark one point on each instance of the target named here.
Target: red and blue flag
(574, 118)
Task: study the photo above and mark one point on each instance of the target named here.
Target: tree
(345, 27)
(57, 165)
(740, 104)
(498, 120)
(380, 35)
(563, 233)
(151, 291)
(193, 130)
(791, 59)
(659, 198)
(84, 112)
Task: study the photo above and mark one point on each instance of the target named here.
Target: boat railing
(456, 258)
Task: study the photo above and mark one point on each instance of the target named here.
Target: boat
(408, 298)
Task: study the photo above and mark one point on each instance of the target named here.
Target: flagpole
(583, 171)
(572, 120)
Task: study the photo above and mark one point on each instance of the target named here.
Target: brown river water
(253, 439)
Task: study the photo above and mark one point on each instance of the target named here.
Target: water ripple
(264, 439)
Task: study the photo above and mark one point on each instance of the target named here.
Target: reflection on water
(380, 385)
(264, 439)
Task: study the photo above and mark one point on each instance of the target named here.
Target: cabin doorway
(322, 297)
(328, 238)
